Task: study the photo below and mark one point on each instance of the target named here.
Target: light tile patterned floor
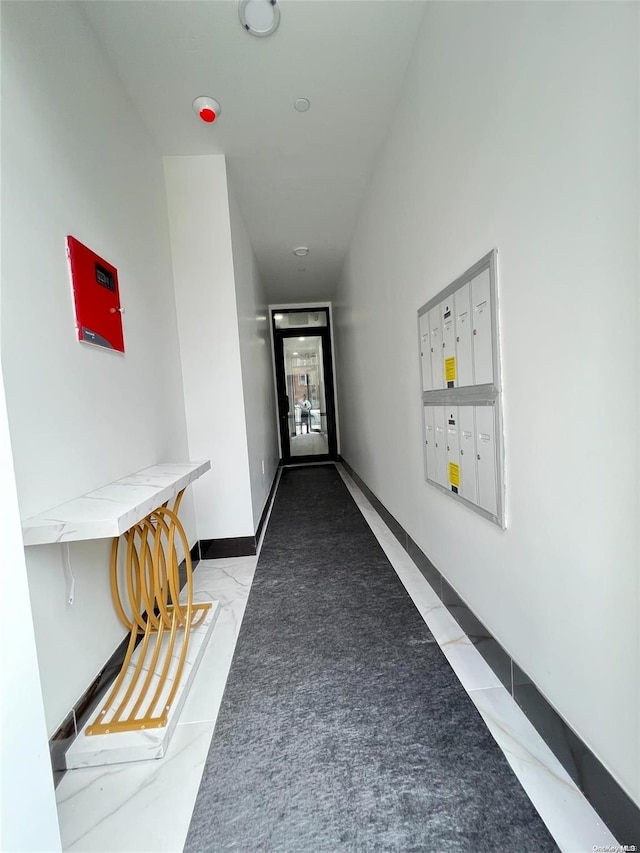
(146, 807)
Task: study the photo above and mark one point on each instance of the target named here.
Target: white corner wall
(210, 342)
(76, 160)
(256, 363)
(518, 129)
(26, 783)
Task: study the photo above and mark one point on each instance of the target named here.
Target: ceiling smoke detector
(301, 251)
(302, 104)
(207, 108)
(259, 17)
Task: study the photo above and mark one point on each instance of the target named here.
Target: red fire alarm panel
(96, 297)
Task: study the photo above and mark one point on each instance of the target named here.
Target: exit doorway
(305, 387)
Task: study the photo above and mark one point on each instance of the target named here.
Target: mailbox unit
(462, 392)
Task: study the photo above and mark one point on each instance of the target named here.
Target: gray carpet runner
(342, 726)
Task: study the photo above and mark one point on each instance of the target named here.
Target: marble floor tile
(135, 808)
(468, 664)
(424, 596)
(226, 586)
(572, 821)
(147, 806)
(229, 583)
(205, 696)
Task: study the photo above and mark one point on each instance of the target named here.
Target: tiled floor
(571, 820)
(309, 444)
(146, 806)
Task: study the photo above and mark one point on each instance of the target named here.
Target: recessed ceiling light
(300, 339)
(302, 104)
(301, 251)
(259, 17)
(294, 353)
(278, 316)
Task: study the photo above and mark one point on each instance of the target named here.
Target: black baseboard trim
(610, 801)
(217, 549)
(79, 715)
(265, 510)
(239, 546)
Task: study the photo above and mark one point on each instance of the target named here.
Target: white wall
(518, 129)
(256, 361)
(76, 160)
(209, 342)
(26, 783)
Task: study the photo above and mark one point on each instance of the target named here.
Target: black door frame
(284, 403)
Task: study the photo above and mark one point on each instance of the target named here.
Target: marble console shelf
(112, 509)
(168, 631)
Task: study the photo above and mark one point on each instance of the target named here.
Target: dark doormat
(342, 726)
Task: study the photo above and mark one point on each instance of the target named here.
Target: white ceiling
(299, 177)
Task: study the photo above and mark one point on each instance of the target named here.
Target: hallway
(148, 806)
(445, 195)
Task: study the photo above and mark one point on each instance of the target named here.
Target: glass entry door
(305, 392)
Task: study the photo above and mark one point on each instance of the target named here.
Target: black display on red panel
(96, 297)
